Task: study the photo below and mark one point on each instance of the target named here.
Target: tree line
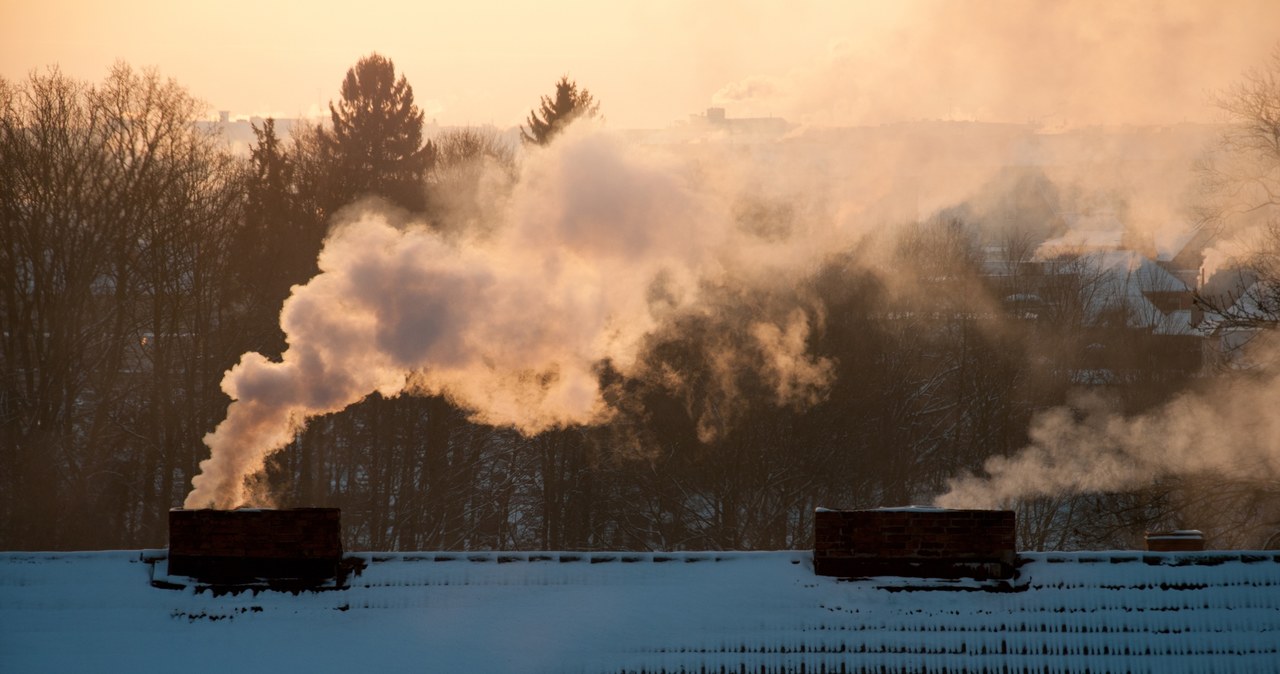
(139, 258)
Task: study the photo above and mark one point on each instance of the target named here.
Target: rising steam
(1230, 430)
(510, 325)
(600, 245)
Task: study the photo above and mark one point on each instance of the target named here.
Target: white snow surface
(1125, 277)
(613, 612)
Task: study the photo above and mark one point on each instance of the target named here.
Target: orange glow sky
(652, 62)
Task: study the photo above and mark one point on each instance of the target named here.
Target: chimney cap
(1180, 534)
(893, 509)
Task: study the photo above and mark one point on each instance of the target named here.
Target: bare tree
(1243, 173)
(473, 173)
(115, 206)
(1241, 191)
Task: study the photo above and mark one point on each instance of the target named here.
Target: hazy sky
(651, 62)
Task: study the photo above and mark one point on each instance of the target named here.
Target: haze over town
(653, 63)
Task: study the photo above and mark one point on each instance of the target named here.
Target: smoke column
(1229, 430)
(511, 324)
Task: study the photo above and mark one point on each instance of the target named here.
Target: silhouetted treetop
(376, 139)
(554, 114)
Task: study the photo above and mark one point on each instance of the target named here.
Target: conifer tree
(276, 244)
(556, 113)
(376, 139)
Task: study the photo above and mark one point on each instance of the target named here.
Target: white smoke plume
(1239, 250)
(797, 376)
(510, 324)
(601, 243)
(1228, 430)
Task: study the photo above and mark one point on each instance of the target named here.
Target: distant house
(1242, 315)
(715, 124)
(1135, 313)
(1142, 292)
(238, 133)
(758, 127)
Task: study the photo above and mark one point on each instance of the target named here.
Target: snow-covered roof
(1126, 279)
(1173, 238)
(610, 612)
(1144, 274)
(1245, 310)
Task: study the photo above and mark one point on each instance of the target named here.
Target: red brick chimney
(914, 541)
(238, 546)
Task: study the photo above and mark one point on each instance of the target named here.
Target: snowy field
(610, 612)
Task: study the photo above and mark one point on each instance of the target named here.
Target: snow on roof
(891, 509)
(1180, 534)
(609, 612)
(914, 509)
(1144, 273)
(1125, 279)
(1244, 310)
(1172, 239)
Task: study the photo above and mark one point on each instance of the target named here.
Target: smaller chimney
(915, 541)
(1184, 540)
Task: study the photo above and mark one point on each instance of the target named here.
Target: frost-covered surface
(600, 612)
(1243, 311)
(1125, 279)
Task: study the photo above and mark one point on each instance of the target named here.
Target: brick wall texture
(241, 545)
(922, 543)
(1174, 542)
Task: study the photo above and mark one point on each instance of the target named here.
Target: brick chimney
(238, 546)
(1184, 540)
(914, 541)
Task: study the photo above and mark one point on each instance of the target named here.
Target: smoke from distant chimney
(1228, 430)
